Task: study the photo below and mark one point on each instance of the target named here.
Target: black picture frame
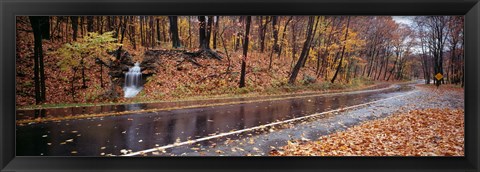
(11, 8)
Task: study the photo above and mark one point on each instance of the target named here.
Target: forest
(86, 59)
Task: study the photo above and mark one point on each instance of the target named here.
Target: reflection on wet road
(111, 135)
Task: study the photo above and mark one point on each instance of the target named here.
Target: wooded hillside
(82, 59)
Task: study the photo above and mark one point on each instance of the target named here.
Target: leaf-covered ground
(422, 132)
(429, 132)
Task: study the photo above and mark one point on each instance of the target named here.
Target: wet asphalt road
(136, 132)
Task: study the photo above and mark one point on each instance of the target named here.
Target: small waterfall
(132, 81)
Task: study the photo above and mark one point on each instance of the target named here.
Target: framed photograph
(239, 85)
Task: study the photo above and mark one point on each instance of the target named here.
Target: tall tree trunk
(215, 32)
(90, 23)
(152, 33)
(45, 27)
(245, 51)
(158, 32)
(263, 31)
(226, 51)
(303, 55)
(164, 31)
(74, 27)
(37, 24)
(394, 66)
(174, 31)
(123, 28)
(209, 30)
(260, 32)
(109, 24)
(386, 69)
(189, 32)
(115, 26)
(67, 30)
(283, 35)
(343, 51)
(100, 20)
(311, 40)
(142, 40)
(82, 23)
(202, 33)
(294, 45)
(326, 53)
(275, 46)
(132, 32)
(319, 52)
(379, 73)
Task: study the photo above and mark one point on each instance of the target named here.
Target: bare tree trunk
(202, 33)
(36, 23)
(90, 23)
(216, 32)
(174, 31)
(74, 27)
(189, 32)
(275, 46)
(132, 32)
(152, 32)
(245, 51)
(209, 30)
(142, 40)
(158, 42)
(263, 31)
(283, 36)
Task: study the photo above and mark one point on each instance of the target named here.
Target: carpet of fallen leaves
(427, 132)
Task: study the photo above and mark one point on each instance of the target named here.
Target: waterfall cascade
(132, 81)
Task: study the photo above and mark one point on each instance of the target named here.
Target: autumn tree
(400, 47)
(436, 38)
(83, 52)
